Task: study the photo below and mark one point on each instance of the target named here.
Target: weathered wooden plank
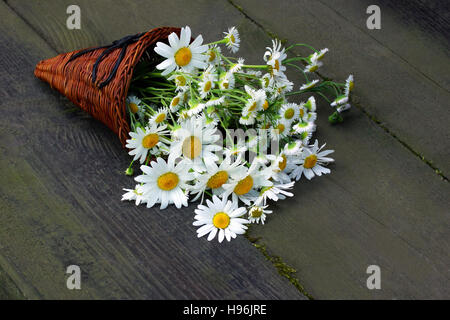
(61, 175)
(415, 30)
(391, 86)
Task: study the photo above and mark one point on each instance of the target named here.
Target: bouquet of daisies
(210, 128)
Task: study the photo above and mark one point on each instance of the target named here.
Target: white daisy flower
(216, 176)
(208, 120)
(289, 112)
(248, 119)
(280, 129)
(213, 55)
(181, 55)
(220, 216)
(215, 101)
(226, 81)
(177, 102)
(134, 195)
(181, 81)
(278, 167)
(195, 143)
(311, 161)
(159, 117)
(150, 139)
(310, 105)
(165, 183)
(183, 115)
(339, 101)
(305, 136)
(301, 127)
(135, 106)
(236, 67)
(292, 148)
(244, 188)
(267, 82)
(253, 73)
(251, 107)
(232, 39)
(258, 213)
(344, 107)
(257, 99)
(274, 58)
(309, 117)
(275, 192)
(349, 85)
(319, 55)
(195, 107)
(236, 150)
(281, 85)
(313, 66)
(309, 85)
(206, 85)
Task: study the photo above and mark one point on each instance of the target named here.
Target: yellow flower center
(256, 212)
(310, 161)
(134, 107)
(160, 118)
(244, 186)
(281, 128)
(266, 82)
(217, 180)
(302, 112)
(351, 85)
(150, 140)
(167, 181)
(192, 147)
(207, 86)
(175, 101)
(265, 105)
(253, 107)
(289, 113)
(283, 163)
(183, 56)
(181, 81)
(221, 220)
(212, 56)
(225, 84)
(277, 65)
(232, 38)
(313, 68)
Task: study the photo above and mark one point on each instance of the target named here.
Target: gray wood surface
(381, 204)
(61, 175)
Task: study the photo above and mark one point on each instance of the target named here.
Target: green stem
(300, 45)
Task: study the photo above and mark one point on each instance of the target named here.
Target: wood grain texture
(396, 86)
(61, 180)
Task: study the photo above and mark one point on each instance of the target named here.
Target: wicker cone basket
(105, 102)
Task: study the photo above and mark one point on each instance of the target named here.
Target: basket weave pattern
(74, 79)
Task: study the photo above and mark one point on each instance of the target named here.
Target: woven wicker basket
(73, 78)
